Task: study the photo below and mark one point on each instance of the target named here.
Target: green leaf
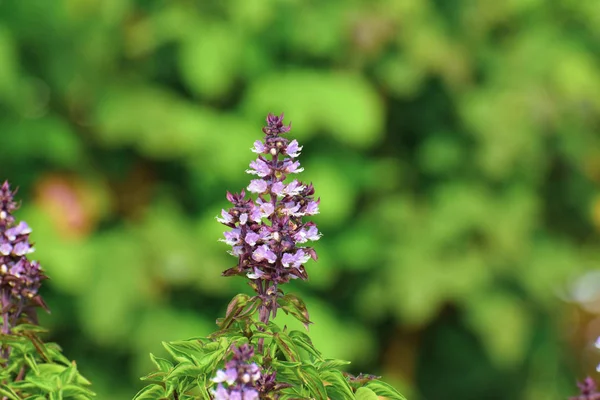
(287, 346)
(152, 392)
(331, 363)
(156, 376)
(177, 353)
(76, 391)
(162, 364)
(68, 375)
(338, 387)
(293, 305)
(303, 341)
(365, 394)
(42, 383)
(186, 370)
(8, 392)
(384, 389)
(312, 379)
(32, 363)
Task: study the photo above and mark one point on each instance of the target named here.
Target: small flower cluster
(266, 233)
(244, 379)
(588, 390)
(20, 279)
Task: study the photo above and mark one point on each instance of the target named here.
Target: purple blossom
(268, 232)
(292, 167)
(259, 167)
(294, 188)
(258, 186)
(243, 378)
(259, 148)
(293, 150)
(312, 208)
(294, 260)
(587, 390)
(22, 248)
(277, 188)
(20, 278)
(251, 238)
(21, 229)
(304, 235)
(263, 252)
(232, 237)
(227, 218)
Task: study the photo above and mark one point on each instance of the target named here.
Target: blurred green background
(454, 145)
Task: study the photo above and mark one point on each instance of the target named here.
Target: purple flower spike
(587, 390)
(268, 234)
(244, 379)
(20, 278)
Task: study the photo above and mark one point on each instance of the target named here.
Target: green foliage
(38, 370)
(291, 355)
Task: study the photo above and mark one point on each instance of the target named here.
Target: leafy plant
(250, 356)
(29, 368)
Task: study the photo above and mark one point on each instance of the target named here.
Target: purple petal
(264, 253)
(259, 147)
(312, 208)
(251, 238)
(227, 218)
(21, 248)
(293, 150)
(277, 188)
(5, 249)
(258, 186)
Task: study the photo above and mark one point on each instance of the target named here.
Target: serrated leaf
(8, 392)
(186, 370)
(176, 353)
(152, 392)
(303, 341)
(331, 363)
(293, 305)
(384, 389)
(162, 364)
(336, 385)
(75, 391)
(156, 376)
(68, 375)
(41, 383)
(32, 363)
(365, 394)
(312, 379)
(287, 346)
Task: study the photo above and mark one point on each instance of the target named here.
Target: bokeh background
(455, 146)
